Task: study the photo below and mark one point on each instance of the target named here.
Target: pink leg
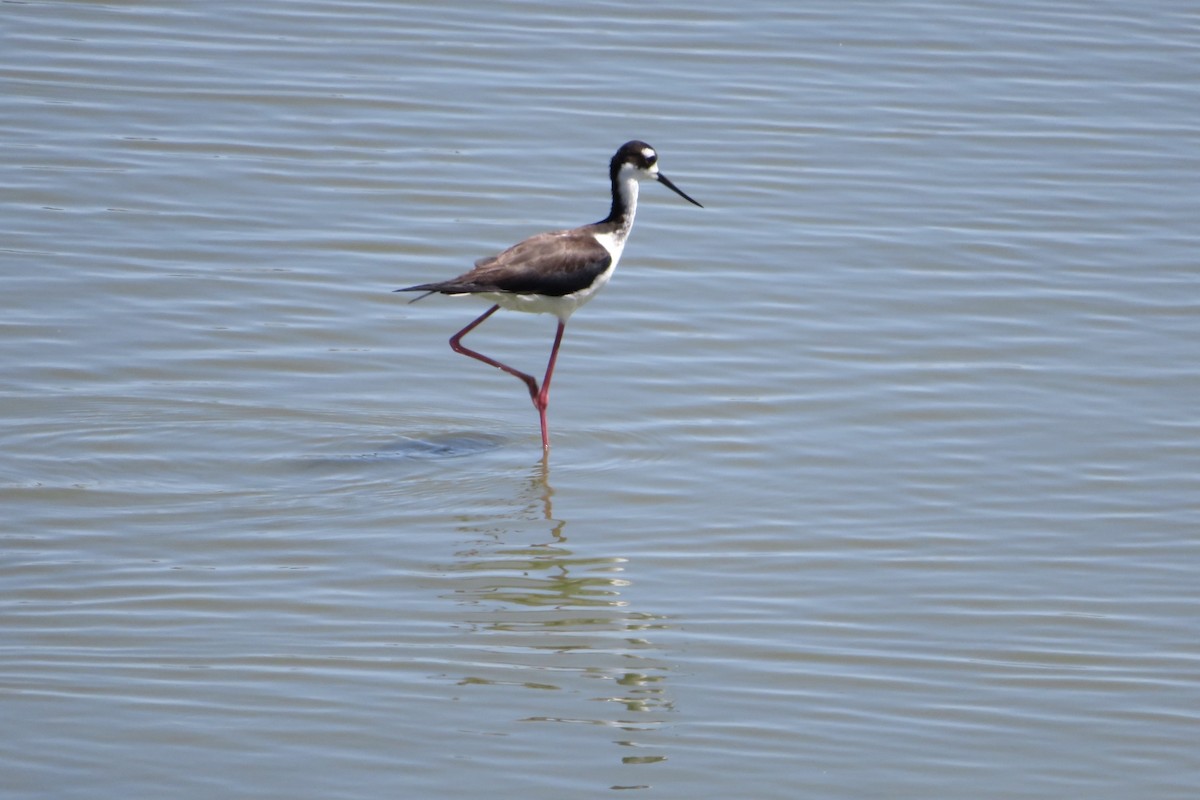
(459, 347)
(542, 401)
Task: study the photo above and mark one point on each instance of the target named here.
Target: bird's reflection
(554, 619)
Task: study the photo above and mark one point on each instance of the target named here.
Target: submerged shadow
(442, 445)
(412, 448)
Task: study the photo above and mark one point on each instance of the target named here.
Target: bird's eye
(650, 157)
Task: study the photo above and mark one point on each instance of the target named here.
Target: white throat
(629, 193)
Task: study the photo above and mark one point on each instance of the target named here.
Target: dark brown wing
(553, 264)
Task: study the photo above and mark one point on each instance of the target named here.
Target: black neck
(624, 199)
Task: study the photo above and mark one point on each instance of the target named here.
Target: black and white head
(638, 161)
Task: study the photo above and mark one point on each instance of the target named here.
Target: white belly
(561, 307)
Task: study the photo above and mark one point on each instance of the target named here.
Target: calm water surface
(876, 477)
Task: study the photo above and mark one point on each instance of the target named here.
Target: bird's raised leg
(541, 398)
(458, 347)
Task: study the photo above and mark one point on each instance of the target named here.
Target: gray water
(876, 477)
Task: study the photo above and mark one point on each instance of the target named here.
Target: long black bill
(663, 180)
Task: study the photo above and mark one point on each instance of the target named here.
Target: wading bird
(557, 272)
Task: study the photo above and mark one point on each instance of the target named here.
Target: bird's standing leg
(542, 401)
(458, 347)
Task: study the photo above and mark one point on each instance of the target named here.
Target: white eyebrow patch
(649, 154)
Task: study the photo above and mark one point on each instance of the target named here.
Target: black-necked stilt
(556, 273)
